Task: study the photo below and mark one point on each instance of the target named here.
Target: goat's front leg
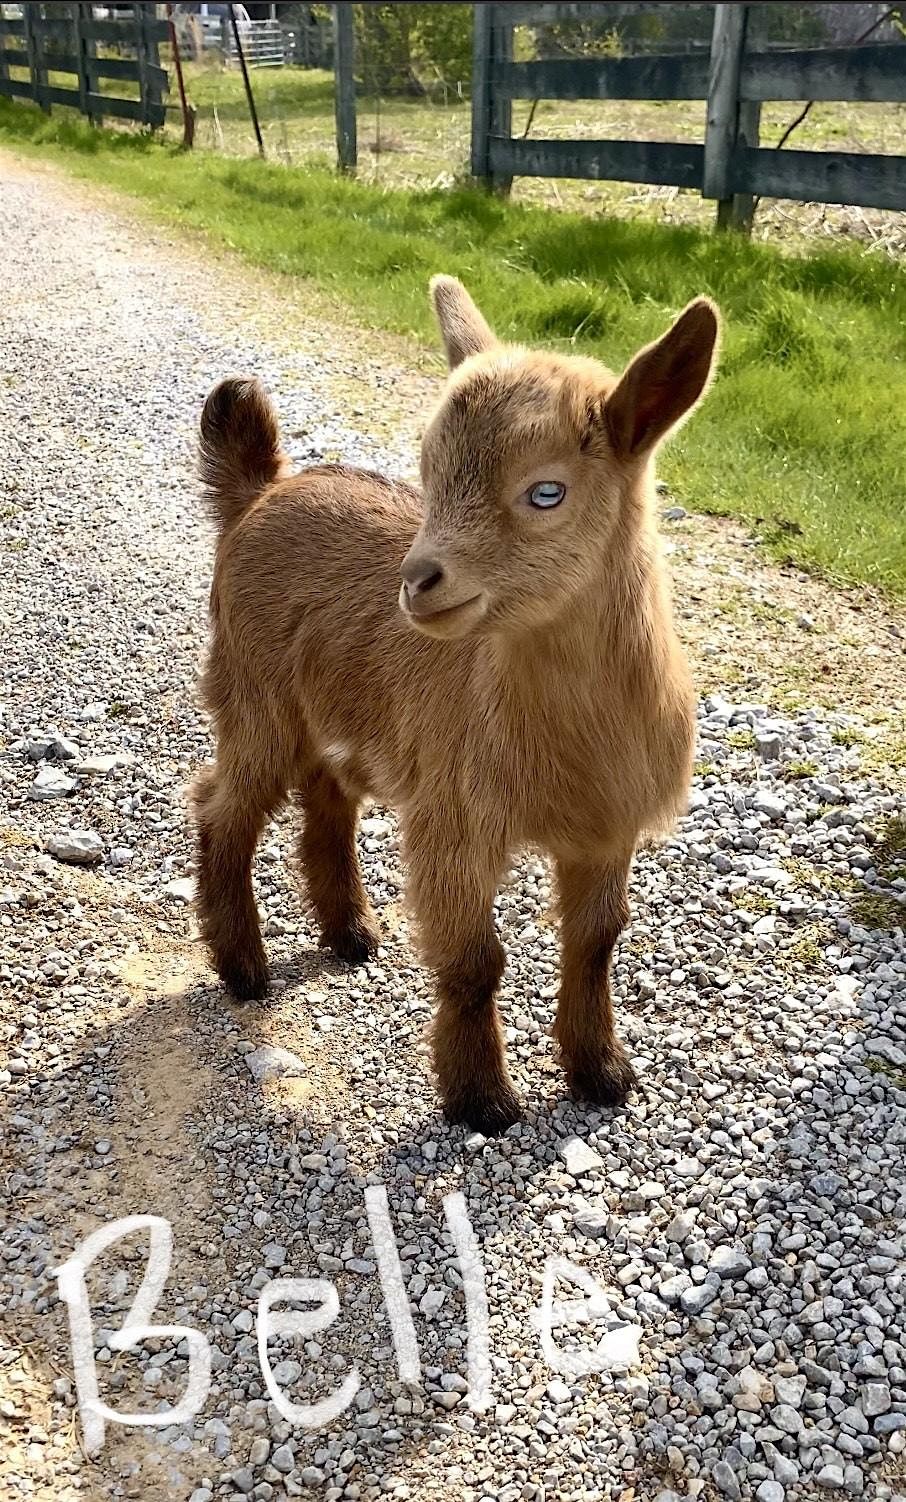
(451, 890)
(594, 910)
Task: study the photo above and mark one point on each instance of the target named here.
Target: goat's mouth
(451, 620)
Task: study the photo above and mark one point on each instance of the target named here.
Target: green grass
(802, 433)
(797, 769)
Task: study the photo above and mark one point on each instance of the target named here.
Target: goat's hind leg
(593, 912)
(330, 862)
(232, 804)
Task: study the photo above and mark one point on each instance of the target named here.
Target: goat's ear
(664, 381)
(462, 327)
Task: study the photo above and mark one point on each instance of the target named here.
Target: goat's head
(531, 465)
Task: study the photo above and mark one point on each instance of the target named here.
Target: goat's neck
(618, 631)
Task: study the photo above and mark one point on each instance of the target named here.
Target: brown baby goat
(524, 686)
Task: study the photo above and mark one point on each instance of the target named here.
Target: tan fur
(527, 689)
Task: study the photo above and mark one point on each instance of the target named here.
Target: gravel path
(746, 1211)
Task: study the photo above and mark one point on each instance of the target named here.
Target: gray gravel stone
(267, 1061)
(770, 1491)
(579, 1157)
(730, 1262)
(77, 847)
(875, 1398)
(51, 783)
(724, 1478)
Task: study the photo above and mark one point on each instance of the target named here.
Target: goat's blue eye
(546, 494)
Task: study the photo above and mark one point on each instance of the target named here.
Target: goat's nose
(421, 575)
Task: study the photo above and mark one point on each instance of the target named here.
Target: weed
(793, 770)
(874, 1065)
(875, 910)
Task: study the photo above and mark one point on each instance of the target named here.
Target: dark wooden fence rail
(38, 46)
(728, 165)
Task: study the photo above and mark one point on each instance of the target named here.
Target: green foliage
(804, 426)
(444, 42)
(403, 49)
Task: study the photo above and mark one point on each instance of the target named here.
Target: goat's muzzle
(433, 599)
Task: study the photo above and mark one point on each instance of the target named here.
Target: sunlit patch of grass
(793, 770)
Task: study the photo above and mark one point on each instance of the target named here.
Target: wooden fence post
(738, 212)
(344, 85)
(36, 64)
(723, 130)
(152, 57)
(85, 49)
(481, 92)
(4, 65)
(146, 55)
(501, 109)
(492, 115)
(141, 59)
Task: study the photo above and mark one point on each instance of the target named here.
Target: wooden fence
(728, 165)
(34, 48)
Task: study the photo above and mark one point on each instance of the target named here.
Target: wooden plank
(127, 109)
(873, 182)
(874, 73)
(18, 88)
(126, 68)
(12, 26)
(69, 97)
(122, 31)
(481, 92)
(604, 78)
(57, 27)
(670, 162)
(65, 63)
(13, 57)
(344, 86)
(722, 122)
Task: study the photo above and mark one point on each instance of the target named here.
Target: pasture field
(802, 435)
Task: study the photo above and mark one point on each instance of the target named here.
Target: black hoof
(606, 1082)
(489, 1115)
(355, 944)
(244, 983)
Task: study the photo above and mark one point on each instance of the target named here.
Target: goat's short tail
(239, 454)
